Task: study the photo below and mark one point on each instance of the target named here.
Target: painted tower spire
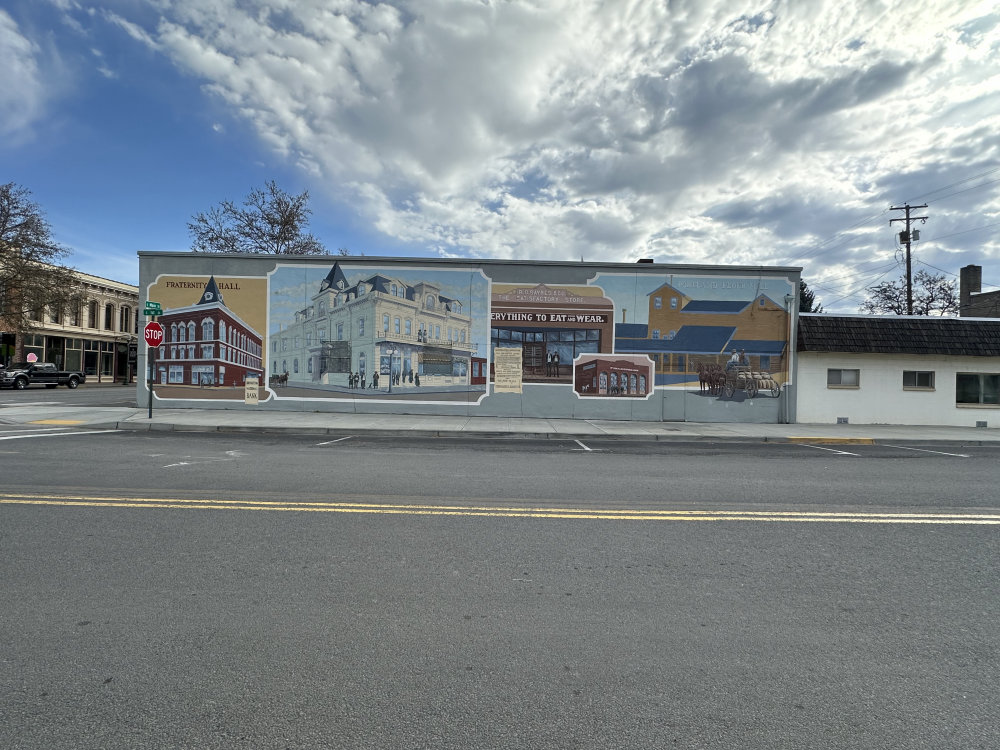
(211, 295)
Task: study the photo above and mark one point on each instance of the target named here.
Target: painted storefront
(577, 340)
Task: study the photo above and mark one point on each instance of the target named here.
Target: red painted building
(206, 344)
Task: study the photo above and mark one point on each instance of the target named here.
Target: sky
(732, 132)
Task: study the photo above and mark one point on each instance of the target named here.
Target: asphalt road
(247, 591)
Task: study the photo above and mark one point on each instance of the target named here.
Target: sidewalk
(344, 424)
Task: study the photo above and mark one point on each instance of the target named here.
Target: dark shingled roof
(904, 335)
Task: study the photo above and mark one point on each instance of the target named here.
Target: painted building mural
(426, 336)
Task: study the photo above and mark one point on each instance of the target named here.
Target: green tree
(933, 294)
(269, 221)
(807, 299)
(32, 282)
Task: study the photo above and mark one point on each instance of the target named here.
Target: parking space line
(925, 450)
(583, 446)
(831, 450)
(41, 434)
(331, 442)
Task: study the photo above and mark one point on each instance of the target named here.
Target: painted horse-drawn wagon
(751, 382)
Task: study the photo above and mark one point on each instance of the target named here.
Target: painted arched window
(173, 332)
(633, 382)
(295, 365)
(191, 331)
(361, 364)
(222, 330)
(207, 329)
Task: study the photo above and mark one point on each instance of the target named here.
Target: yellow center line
(497, 511)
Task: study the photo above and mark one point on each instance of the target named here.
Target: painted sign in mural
(387, 333)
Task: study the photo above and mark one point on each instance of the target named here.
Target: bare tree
(32, 282)
(933, 294)
(269, 221)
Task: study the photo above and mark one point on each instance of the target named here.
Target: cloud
(695, 131)
(21, 98)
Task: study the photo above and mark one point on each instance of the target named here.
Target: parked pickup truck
(20, 375)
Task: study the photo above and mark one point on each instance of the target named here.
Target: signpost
(153, 333)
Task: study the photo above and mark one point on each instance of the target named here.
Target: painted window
(295, 365)
(673, 303)
(361, 326)
(656, 333)
(340, 331)
(385, 322)
(765, 361)
(191, 329)
(918, 379)
(395, 325)
(657, 303)
(843, 378)
(437, 332)
(977, 388)
(409, 326)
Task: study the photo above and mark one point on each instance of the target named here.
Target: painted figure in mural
(374, 380)
(555, 364)
(548, 365)
(734, 361)
(416, 380)
(744, 361)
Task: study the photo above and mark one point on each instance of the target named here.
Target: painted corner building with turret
(409, 332)
(207, 344)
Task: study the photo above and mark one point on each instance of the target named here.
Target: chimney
(970, 282)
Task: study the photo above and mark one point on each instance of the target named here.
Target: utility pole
(907, 236)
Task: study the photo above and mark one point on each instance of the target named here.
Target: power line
(954, 184)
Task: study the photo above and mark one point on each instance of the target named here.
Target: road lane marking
(499, 511)
(583, 446)
(831, 450)
(58, 421)
(41, 434)
(833, 440)
(338, 440)
(924, 450)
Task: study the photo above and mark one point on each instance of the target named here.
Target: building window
(656, 333)
(109, 317)
(385, 322)
(918, 379)
(207, 329)
(765, 362)
(309, 338)
(843, 378)
(92, 314)
(673, 303)
(125, 319)
(409, 326)
(340, 331)
(395, 325)
(361, 326)
(295, 365)
(437, 332)
(977, 388)
(657, 303)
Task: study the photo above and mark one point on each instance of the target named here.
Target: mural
(483, 336)
(552, 325)
(212, 339)
(387, 333)
(617, 376)
(692, 326)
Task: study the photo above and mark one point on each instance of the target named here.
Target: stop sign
(153, 333)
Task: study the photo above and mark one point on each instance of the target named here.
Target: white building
(898, 370)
